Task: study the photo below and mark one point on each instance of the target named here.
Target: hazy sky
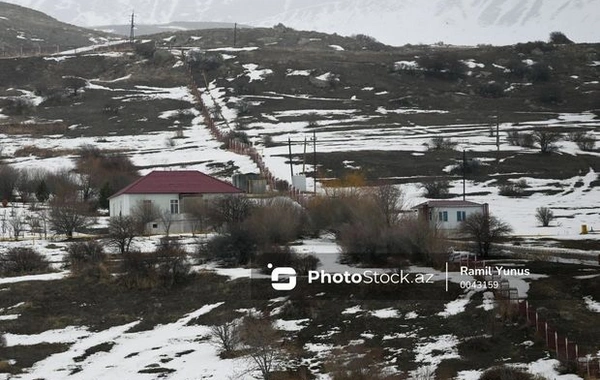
(391, 21)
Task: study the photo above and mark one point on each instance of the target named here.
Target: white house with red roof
(169, 191)
(448, 214)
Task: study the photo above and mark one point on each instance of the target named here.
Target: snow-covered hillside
(390, 21)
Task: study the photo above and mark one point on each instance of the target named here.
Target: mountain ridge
(470, 22)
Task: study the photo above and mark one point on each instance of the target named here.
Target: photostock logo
(286, 273)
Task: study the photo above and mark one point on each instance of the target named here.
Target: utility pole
(464, 174)
(315, 161)
(497, 132)
(304, 159)
(132, 31)
(234, 34)
(291, 162)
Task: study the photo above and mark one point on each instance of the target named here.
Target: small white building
(448, 214)
(169, 192)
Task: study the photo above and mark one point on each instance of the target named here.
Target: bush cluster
(250, 228)
(87, 259)
(513, 189)
(22, 260)
(167, 266)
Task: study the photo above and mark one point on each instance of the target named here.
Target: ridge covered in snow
(393, 22)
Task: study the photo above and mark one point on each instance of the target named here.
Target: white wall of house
(125, 203)
(448, 218)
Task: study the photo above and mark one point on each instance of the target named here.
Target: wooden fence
(237, 146)
(566, 350)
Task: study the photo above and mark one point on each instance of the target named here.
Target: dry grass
(34, 129)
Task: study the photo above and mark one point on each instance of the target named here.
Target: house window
(443, 216)
(174, 206)
(461, 215)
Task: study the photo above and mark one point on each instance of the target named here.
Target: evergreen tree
(105, 193)
(41, 192)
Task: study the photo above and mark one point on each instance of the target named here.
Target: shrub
(544, 215)
(444, 65)
(485, 230)
(236, 247)
(268, 141)
(277, 256)
(145, 50)
(512, 189)
(226, 336)
(171, 263)
(436, 189)
(584, 140)
(201, 60)
(87, 258)
(491, 90)
(551, 94)
(506, 373)
(20, 260)
(441, 143)
(522, 139)
(538, 72)
(559, 38)
(138, 271)
(17, 107)
(546, 139)
(279, 221)
(305, 263)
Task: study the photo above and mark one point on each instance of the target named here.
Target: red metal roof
(448, 203)
(179, 182)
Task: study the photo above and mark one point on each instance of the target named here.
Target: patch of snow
(592, 304)
(406, 65)
(35, 277)
(488, 301)
(337, 47)
(254, 73)
(385, 313)
(296, 325)
(353, 310)
(457, 306)
(470, 63)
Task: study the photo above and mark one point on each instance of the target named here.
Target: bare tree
(230, 210)
(17, 224)
(484, 229)
(264, 343)
(166, 219)
(544, 215)
(198, 210)
(44, 217)
(67, 217)
(226, 336)
(121, 231)
(437, 188)
(546, 139)
(389, 200)
(145, 212)
(9, 177)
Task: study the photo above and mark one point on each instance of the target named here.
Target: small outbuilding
(448, 214)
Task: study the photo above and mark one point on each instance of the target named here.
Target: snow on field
(431, 351)
(287, 325)
(254, 73)
(592, 304)
(457, 306)
(177, 346)
(196, 150)
(304, 73)
(385, 313)
(34, 277)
